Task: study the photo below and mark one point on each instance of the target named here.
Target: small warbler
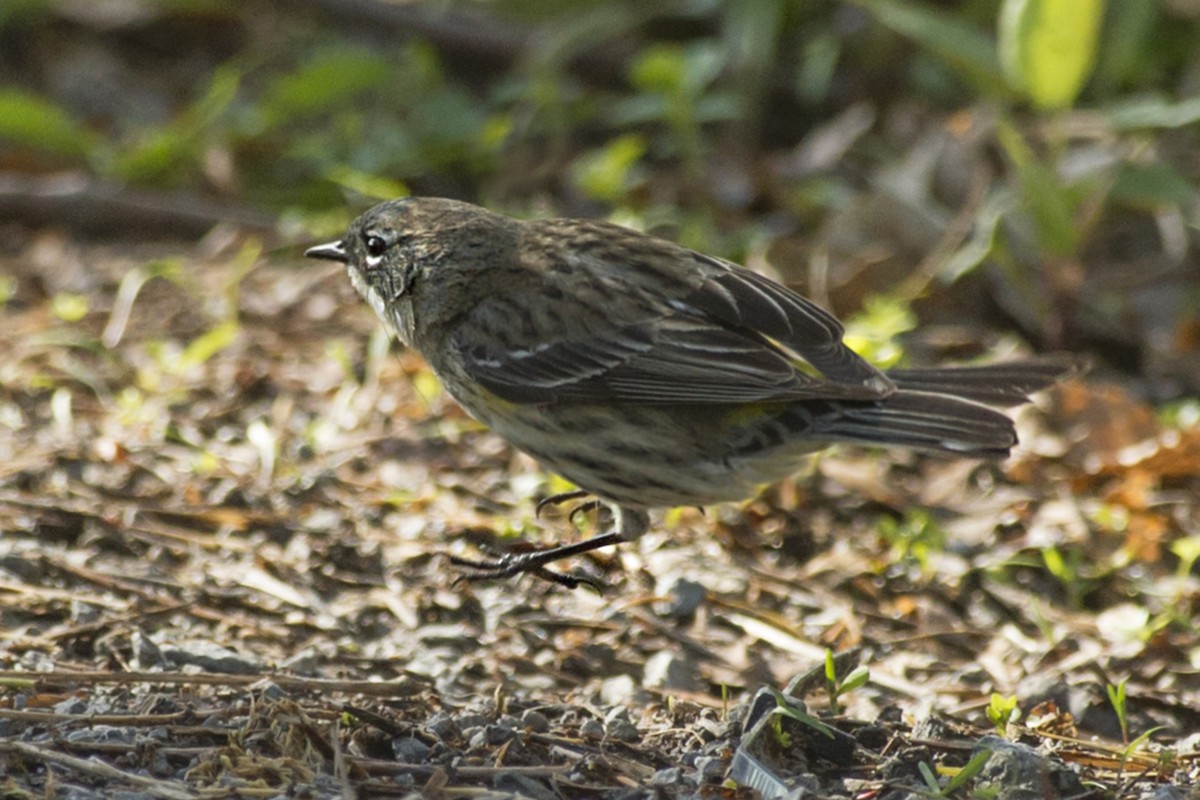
(645, 373)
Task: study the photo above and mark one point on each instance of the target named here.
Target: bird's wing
(737, 297)
(734, 338)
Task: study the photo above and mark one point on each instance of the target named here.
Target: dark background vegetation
(205, 440)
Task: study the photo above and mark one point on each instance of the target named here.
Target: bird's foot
(509, 565)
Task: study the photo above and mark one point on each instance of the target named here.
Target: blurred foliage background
(1031, 163)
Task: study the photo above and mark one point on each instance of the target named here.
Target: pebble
(535, 721)
(671, 776)
(443, 726)
(517, 785)
(592, 729)
(709, 768)
(665, 671)
(410, 750)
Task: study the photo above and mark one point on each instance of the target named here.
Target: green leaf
(167, 152)
(1048, 47)
(1152, 186)
(207, 345)
(1002, 710)
(873, 331)
(930, 779)
(376, 187)
(70, 307)
(1127, 44)
(607, 174)
(968, 771)
(983, 238)
(156, 155)
(1050, 203)
(660, 68)
(32, 122)
(857, 678)
(1154, 112)
(964, 47)
(330, 80)
(785, 709)
(27, 11)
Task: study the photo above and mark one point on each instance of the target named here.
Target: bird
(647, 374)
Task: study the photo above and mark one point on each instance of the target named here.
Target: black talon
(512, 564)
(582, 508)
(559, 499)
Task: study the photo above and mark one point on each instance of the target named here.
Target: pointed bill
(330, 251)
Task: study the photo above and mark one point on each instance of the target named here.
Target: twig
(99, 769)
(86, 204)
(404, 687)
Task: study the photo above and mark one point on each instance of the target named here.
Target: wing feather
(709, 333)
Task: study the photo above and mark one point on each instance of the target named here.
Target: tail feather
(919, 420)
(1002, 385)
(938, 410)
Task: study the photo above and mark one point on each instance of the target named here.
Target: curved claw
(582, 508)
(559, 499)
(512, 564)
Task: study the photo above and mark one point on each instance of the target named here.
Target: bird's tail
(1002, 385)
(943, 410)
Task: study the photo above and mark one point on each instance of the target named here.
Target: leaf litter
(226, 507)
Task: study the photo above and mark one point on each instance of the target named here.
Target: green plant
(1116, 696)
(1002, 711)
(1136, 744)
(676, 86)
(1048, 47)
(836, 686)
(915, 536)
(784, 708)
(1067, 568)
(958, 777)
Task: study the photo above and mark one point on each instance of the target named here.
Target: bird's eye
(376, 246)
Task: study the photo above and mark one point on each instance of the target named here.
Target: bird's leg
(628, 524)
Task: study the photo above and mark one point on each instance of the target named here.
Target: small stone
(619, 690)
(471, 720)
(443, 726)
(685, 597)
(498, 734)
(671, 776)
(410, 750)
(101, 734)
(476, 737)
(709, 768)
(72, 705)
(303, 662)
(617, 713)
(665, 671)
(271, 690)
(517, 785)
(710, 729)
(210, 657)
(623, 730)
(1012, 768)
(1169, 792)
(592, 729)
(535, 721)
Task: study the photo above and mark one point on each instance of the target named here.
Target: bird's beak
(330, 251)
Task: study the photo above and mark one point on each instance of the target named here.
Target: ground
(227, 505)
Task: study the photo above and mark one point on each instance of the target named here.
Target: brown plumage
(646, 373)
